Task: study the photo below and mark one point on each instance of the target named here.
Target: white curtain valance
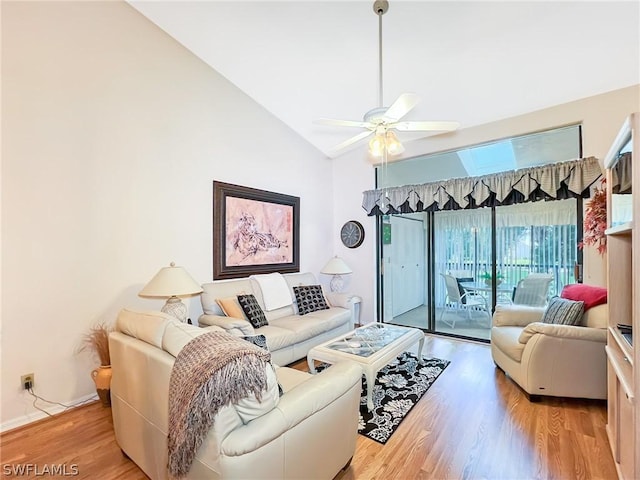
(523, 215)
(556, 181)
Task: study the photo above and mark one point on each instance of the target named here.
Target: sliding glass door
(487, 251)
(539, 237)
(462, 251)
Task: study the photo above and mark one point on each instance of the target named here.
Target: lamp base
(176, 308)
(336, 283)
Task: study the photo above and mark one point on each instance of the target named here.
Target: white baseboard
(50, 409)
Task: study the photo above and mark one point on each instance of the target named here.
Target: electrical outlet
(27, 381)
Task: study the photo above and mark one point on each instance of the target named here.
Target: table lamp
(337, 268)
(172, 282)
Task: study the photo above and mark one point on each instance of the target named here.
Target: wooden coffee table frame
(374, 362)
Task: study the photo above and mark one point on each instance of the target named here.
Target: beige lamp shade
(337, 268)
(171, 282)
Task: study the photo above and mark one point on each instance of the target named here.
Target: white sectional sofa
(309, 432)
(289, 335)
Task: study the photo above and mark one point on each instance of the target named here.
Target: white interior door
(407, 263)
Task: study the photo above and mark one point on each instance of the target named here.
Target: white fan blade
(343, 123)
(351, 141)
(401, 107)
(425, 126)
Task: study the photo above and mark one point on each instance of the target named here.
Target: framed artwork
(254, 231)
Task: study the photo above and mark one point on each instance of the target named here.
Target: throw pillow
(592, 296)
(252, 310)
(561, 311)
(257, 340)
(230, 307)
(310, 298)
(261, 341)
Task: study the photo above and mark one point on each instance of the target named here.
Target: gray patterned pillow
(252, 310)
(310, 298)
(257, 340)
(561, 311)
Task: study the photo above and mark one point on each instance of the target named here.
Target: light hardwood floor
(472, 423)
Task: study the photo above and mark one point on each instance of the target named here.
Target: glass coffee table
(372, 346)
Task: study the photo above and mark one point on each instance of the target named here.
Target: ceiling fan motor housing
(376, 115)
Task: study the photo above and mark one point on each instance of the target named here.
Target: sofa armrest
(319, 391)
(301, 402)
(563, 331)
(340, 299)
(516, 315)
(234, 326)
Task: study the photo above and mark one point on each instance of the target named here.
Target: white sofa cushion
(147, 326)
(277, 337)
(333, 316)
(519, 315)
(311, 325)
(178, 334)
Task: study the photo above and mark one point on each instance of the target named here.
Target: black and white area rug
(397, 389)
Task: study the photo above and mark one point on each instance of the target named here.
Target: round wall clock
(352, 234)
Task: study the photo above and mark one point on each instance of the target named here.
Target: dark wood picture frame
(254, 231)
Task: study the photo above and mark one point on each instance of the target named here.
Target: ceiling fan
(382, 121)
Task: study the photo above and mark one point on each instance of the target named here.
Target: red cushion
(589, 294)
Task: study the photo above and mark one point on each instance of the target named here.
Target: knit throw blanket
(212, 370)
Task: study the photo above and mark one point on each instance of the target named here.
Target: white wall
(601, 117)
(112, 136)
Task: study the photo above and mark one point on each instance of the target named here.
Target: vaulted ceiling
(473, 62)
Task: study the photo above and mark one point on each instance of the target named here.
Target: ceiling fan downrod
(380, 7)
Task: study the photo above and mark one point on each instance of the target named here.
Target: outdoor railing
(512, 274)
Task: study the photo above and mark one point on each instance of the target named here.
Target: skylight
(524, 151)
(487, 159)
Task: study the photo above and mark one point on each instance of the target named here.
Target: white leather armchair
(553, 360)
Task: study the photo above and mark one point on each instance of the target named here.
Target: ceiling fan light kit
(381, 121)
(385, 141)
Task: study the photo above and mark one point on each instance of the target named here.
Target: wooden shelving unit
(623, 358)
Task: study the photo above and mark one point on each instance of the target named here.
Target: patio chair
(462, 276)
(468, 301)
(533, 290)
